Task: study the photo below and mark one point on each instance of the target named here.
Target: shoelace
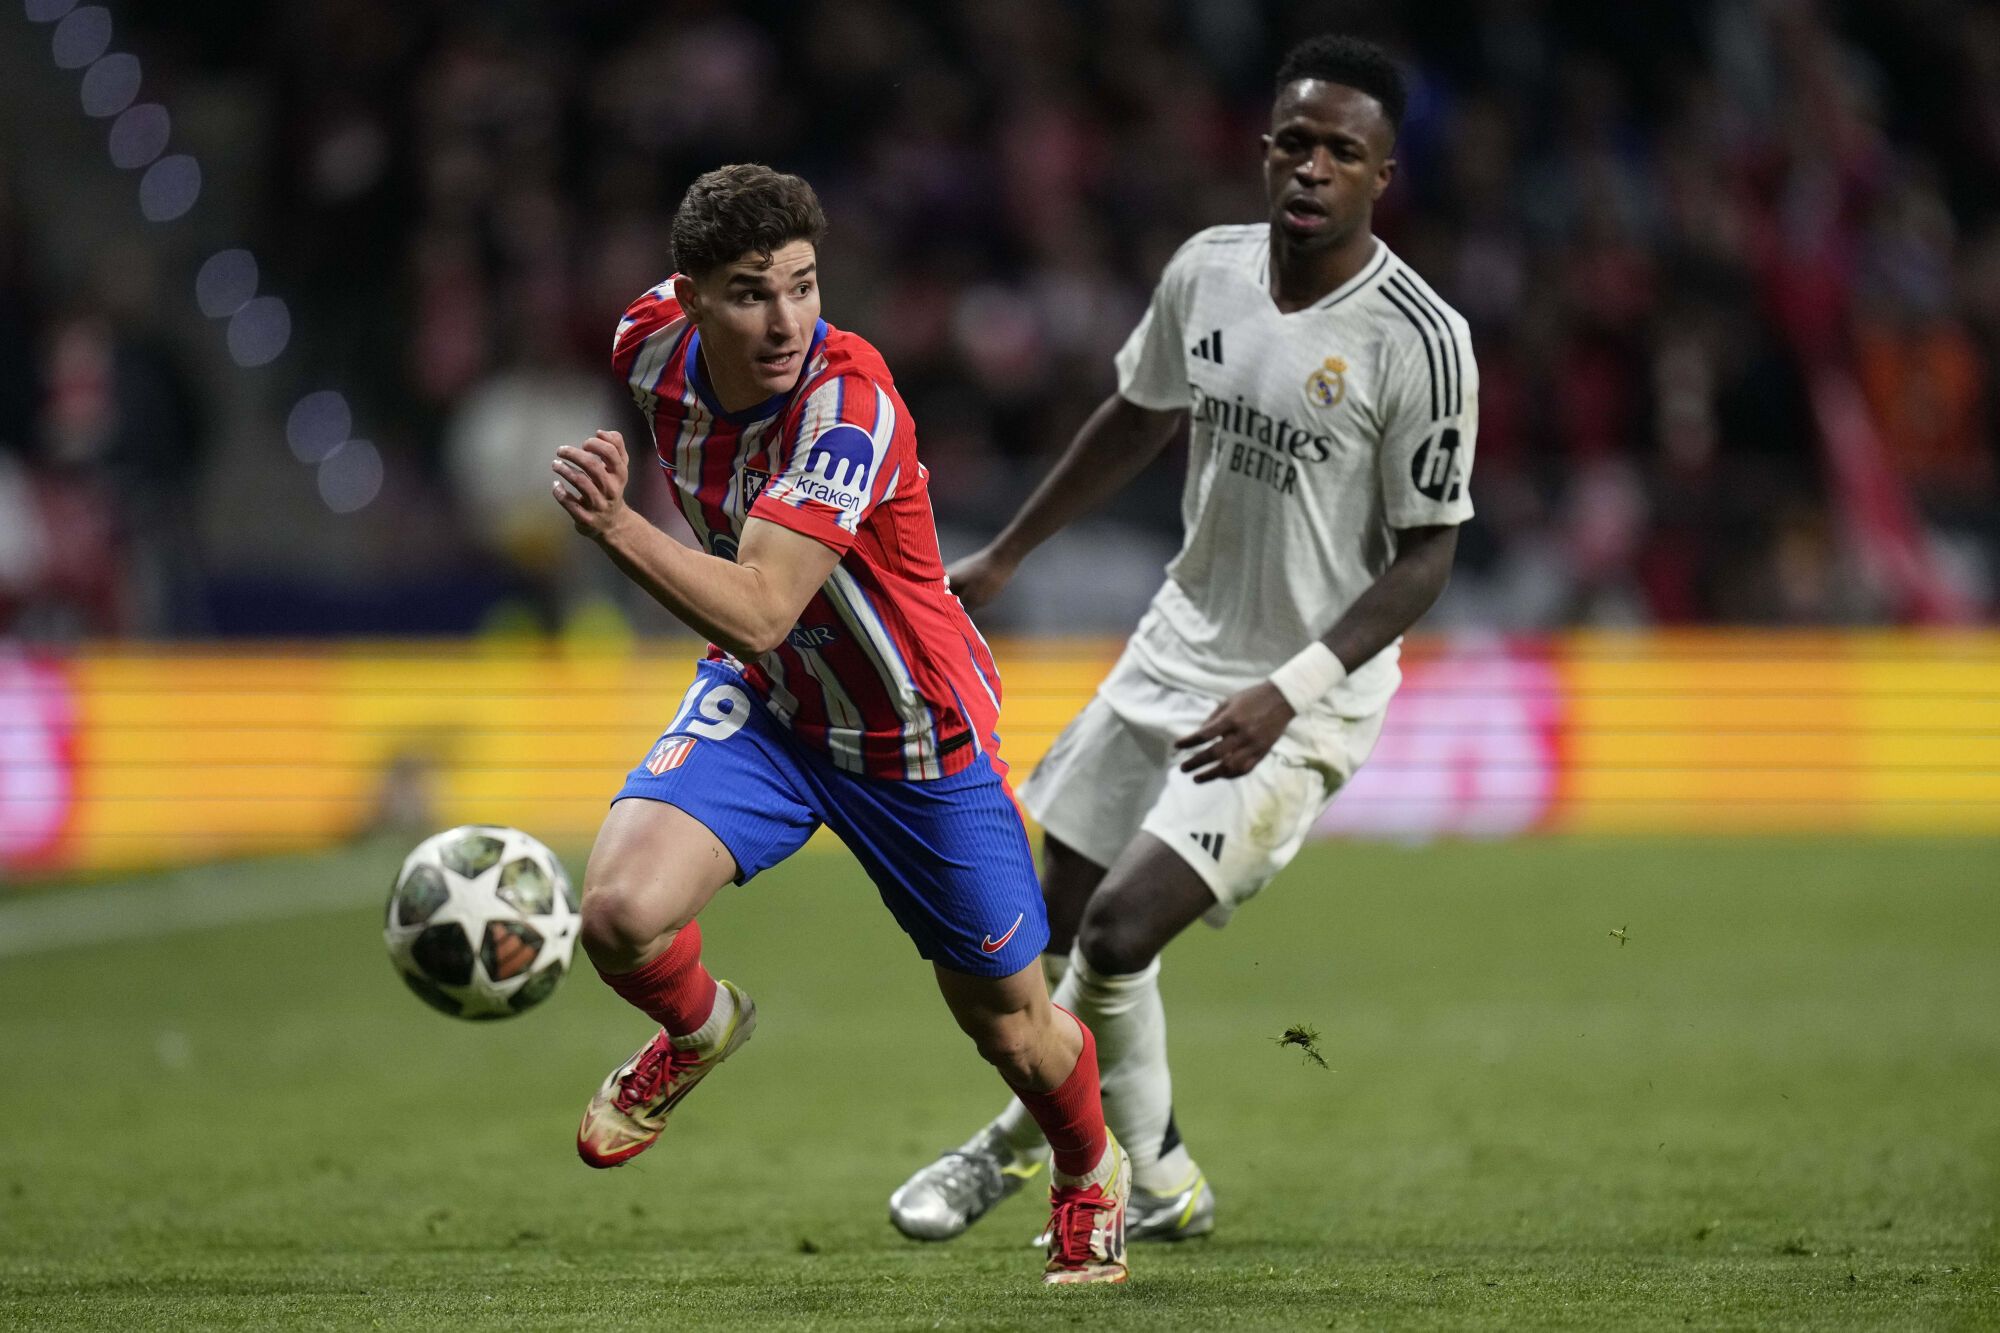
(651, 1075)
(1075, 1222)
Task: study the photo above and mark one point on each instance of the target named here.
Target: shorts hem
(991, 967)
(1200, 862)
(735, 853)
(1080, 843)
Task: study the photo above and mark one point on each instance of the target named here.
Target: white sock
(1170, 1174)
(1124, 1013)
(1055, 966)
(1107, 1167)
(711, 1030)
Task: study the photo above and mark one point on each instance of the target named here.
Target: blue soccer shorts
(949, 855)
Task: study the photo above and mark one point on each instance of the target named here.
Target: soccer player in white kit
(1331, 401)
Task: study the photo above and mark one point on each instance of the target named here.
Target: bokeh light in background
(226, 282)
(110, 85)
(351, 476)
(82, 36)
(348, 473)
(140, 135)
(259, 332)
(319, 423)
(169, 188)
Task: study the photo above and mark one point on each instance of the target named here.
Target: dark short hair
(743, 209)
(1351, 62)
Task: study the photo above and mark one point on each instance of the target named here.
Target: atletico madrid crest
(671, 752)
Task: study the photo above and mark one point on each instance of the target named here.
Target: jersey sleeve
(836, 464)
(1432, 416)
(644, 337)
(1152, 365)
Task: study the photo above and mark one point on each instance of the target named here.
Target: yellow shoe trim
(1194, 1197)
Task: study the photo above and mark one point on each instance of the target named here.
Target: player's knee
(620, 920)
(1114, 943)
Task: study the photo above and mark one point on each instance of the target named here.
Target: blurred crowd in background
(1732, 269)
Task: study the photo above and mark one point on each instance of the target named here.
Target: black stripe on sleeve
(1451, 341)
(1447, 360)
(1423, 333)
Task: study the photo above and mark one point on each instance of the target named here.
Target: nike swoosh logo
(991, 945)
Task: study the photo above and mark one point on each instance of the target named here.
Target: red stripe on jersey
(857, 409)
(670, 387)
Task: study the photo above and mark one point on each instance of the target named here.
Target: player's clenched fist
(590, 482)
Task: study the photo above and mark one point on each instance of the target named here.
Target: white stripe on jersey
(651, 363)
(881, 437)
(782, 701)
(843, 738)
(853, 607)
(687, 453)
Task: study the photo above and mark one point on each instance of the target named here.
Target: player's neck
(1300, 278)
(733, 397)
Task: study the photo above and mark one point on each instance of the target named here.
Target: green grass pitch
(1773, 1103)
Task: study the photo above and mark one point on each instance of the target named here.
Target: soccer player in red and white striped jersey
(843, 686)
(883, 671)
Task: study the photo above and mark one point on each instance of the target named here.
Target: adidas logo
(1209, 348)
(1210, 843)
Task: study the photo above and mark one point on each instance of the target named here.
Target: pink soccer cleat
(1087, 1228)
(632, 1106)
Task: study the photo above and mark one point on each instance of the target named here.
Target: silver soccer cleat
(943, 1199)
(1188, 1212)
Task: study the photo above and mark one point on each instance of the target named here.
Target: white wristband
(1309, 677)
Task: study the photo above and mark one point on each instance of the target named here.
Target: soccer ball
(481, 922)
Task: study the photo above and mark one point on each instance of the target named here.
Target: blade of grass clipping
(1307, 1040)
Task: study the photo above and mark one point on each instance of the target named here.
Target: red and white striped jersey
(884, 672)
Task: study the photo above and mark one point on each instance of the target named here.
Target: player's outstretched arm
(747, 605)
(1242, 730)
(1113, 447)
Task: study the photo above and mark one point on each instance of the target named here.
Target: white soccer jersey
(1313, 435)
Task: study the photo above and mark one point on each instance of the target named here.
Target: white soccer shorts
(1114, 772)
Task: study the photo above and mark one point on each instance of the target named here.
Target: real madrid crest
(1326, 386)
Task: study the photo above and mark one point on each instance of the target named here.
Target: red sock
(1072, 1114)
(674, 990)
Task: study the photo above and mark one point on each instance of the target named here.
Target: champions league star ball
(481, 922)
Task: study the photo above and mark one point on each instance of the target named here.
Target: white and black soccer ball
(481, 921)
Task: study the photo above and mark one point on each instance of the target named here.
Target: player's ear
(689, 297)
(1383, 175)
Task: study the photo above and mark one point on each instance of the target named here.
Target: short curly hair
(743, 209)
(1351, 62)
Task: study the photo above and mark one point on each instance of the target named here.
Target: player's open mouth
(1304, 213)
(777, 364)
